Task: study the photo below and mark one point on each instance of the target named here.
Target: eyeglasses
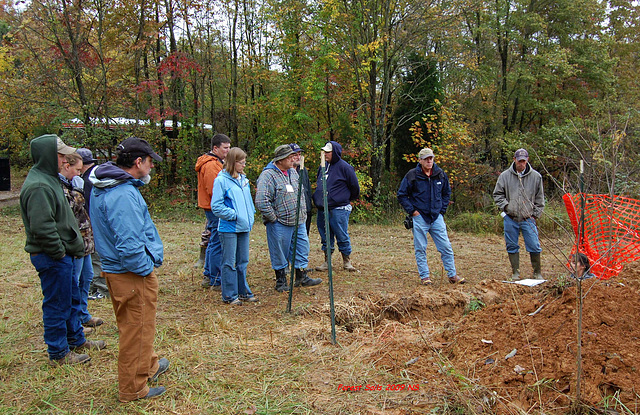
(242, 162)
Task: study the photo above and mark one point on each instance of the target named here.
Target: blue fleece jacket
(232, 203)
(125, 236)
(342, 182)
(429, 195)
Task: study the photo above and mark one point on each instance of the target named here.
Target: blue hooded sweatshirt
(429, 195)
(125, 236)
(232, 203)
(342, 182)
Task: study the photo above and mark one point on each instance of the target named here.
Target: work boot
(515, 266)
(89, 345)
(535, 263)
(203, 252)
(303, 279)
(325, 264)
(71, 358)
(347, 263)
(281, 280)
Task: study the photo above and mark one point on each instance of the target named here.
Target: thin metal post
(327, 233)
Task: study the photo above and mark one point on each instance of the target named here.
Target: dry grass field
(401, 348)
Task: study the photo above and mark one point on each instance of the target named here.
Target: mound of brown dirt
(522, 345)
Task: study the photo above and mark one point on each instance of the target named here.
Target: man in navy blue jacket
(424, 194)
(342, 188)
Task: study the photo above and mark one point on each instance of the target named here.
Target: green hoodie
(48, 220)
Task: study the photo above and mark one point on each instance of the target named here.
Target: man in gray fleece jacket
(519, 195)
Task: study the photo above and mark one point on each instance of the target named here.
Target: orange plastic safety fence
(611, 236)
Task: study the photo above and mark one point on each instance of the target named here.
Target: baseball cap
(328, 148)
(65, 149)
(424, 153)
(295, 148)
(87, 155)
(137, 146)
(521, 154)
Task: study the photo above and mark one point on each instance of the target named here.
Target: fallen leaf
(511, 354)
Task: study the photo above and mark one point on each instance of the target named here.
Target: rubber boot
(302, 279)
(515, 266)
(535, 263)
(203, 252)
(347, 263)
(281, 280)
(325, 264)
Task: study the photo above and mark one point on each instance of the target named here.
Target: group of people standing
(283, 195)
(67, 220)
(116, 224)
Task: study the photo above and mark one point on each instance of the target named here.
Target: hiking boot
(302, 279)
(87, 330)
(163, 365)
(347, 263)
(94, 322)
(281, 280)
(205, 283)
(89, 345)
(153, 392)
(237, 301)
(253, 299)
(325, 264)
(70, 359)
(514, 259)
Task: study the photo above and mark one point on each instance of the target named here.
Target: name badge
(289, 188)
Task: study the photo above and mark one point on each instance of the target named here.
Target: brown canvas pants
(135, 300)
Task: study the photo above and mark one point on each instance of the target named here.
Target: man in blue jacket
(342, 188)
(424, 194)
(130, 248)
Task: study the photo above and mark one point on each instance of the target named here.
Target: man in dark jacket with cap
(520, 197)
(424, 194)
(342, 188)
(53, 239)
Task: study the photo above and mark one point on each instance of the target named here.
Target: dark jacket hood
(336, 151)
(44, 152)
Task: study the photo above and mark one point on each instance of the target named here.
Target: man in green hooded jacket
(53, 239)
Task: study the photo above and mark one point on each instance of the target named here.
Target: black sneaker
(153, 392)
(163, 365)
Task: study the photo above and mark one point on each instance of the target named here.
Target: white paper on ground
(529, 282)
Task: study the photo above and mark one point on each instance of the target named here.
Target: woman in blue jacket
(232, 203)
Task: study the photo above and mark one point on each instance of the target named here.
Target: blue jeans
(279, 239)
(213, 255)
(438, 232)
(338, 229)
(83, 275)
(235, 258)
(60, 304)
(529, 231)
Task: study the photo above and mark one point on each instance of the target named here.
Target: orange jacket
(208, 166)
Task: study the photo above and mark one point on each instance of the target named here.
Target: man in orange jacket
(208, 166)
